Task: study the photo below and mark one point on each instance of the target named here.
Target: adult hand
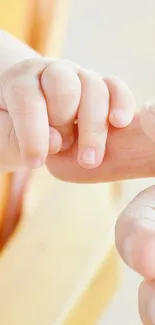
(135, 231)
(129, 154)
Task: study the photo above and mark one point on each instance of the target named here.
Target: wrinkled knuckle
(65, 81)
(14, 86)
(27, 65)
(94, 80)
(24, 67)
(15, 90)
(18, 70)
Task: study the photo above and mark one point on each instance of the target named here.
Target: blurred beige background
(117, 38)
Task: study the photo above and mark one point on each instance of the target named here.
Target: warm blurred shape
(40, 14)
(46, 23)
(11, 198)
(37, 22)
(29, 21)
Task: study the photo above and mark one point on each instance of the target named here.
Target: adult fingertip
(147, 119)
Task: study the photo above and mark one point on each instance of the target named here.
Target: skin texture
(82, 127)
(42, 99)
(129, 154)
(135, 231)
(47, 105)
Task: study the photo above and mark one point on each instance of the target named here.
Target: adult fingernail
(88, 156)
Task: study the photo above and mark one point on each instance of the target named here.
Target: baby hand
(46, 105)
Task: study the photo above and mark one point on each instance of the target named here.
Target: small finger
(92, 120)
(62, 90)
(122, 103)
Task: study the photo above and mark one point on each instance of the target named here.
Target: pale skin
(41, 101)
(82, 126)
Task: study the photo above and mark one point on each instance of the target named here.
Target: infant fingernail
(88, 156)
(34, 163)
(119, 118)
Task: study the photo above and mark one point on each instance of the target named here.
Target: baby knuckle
(64, 80)
(18, 96)
(16, 92)
(15, 86)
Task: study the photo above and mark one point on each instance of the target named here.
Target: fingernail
(151, 311)
(120, 118)
(34, 163)
(128, 251)
(88, 156)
